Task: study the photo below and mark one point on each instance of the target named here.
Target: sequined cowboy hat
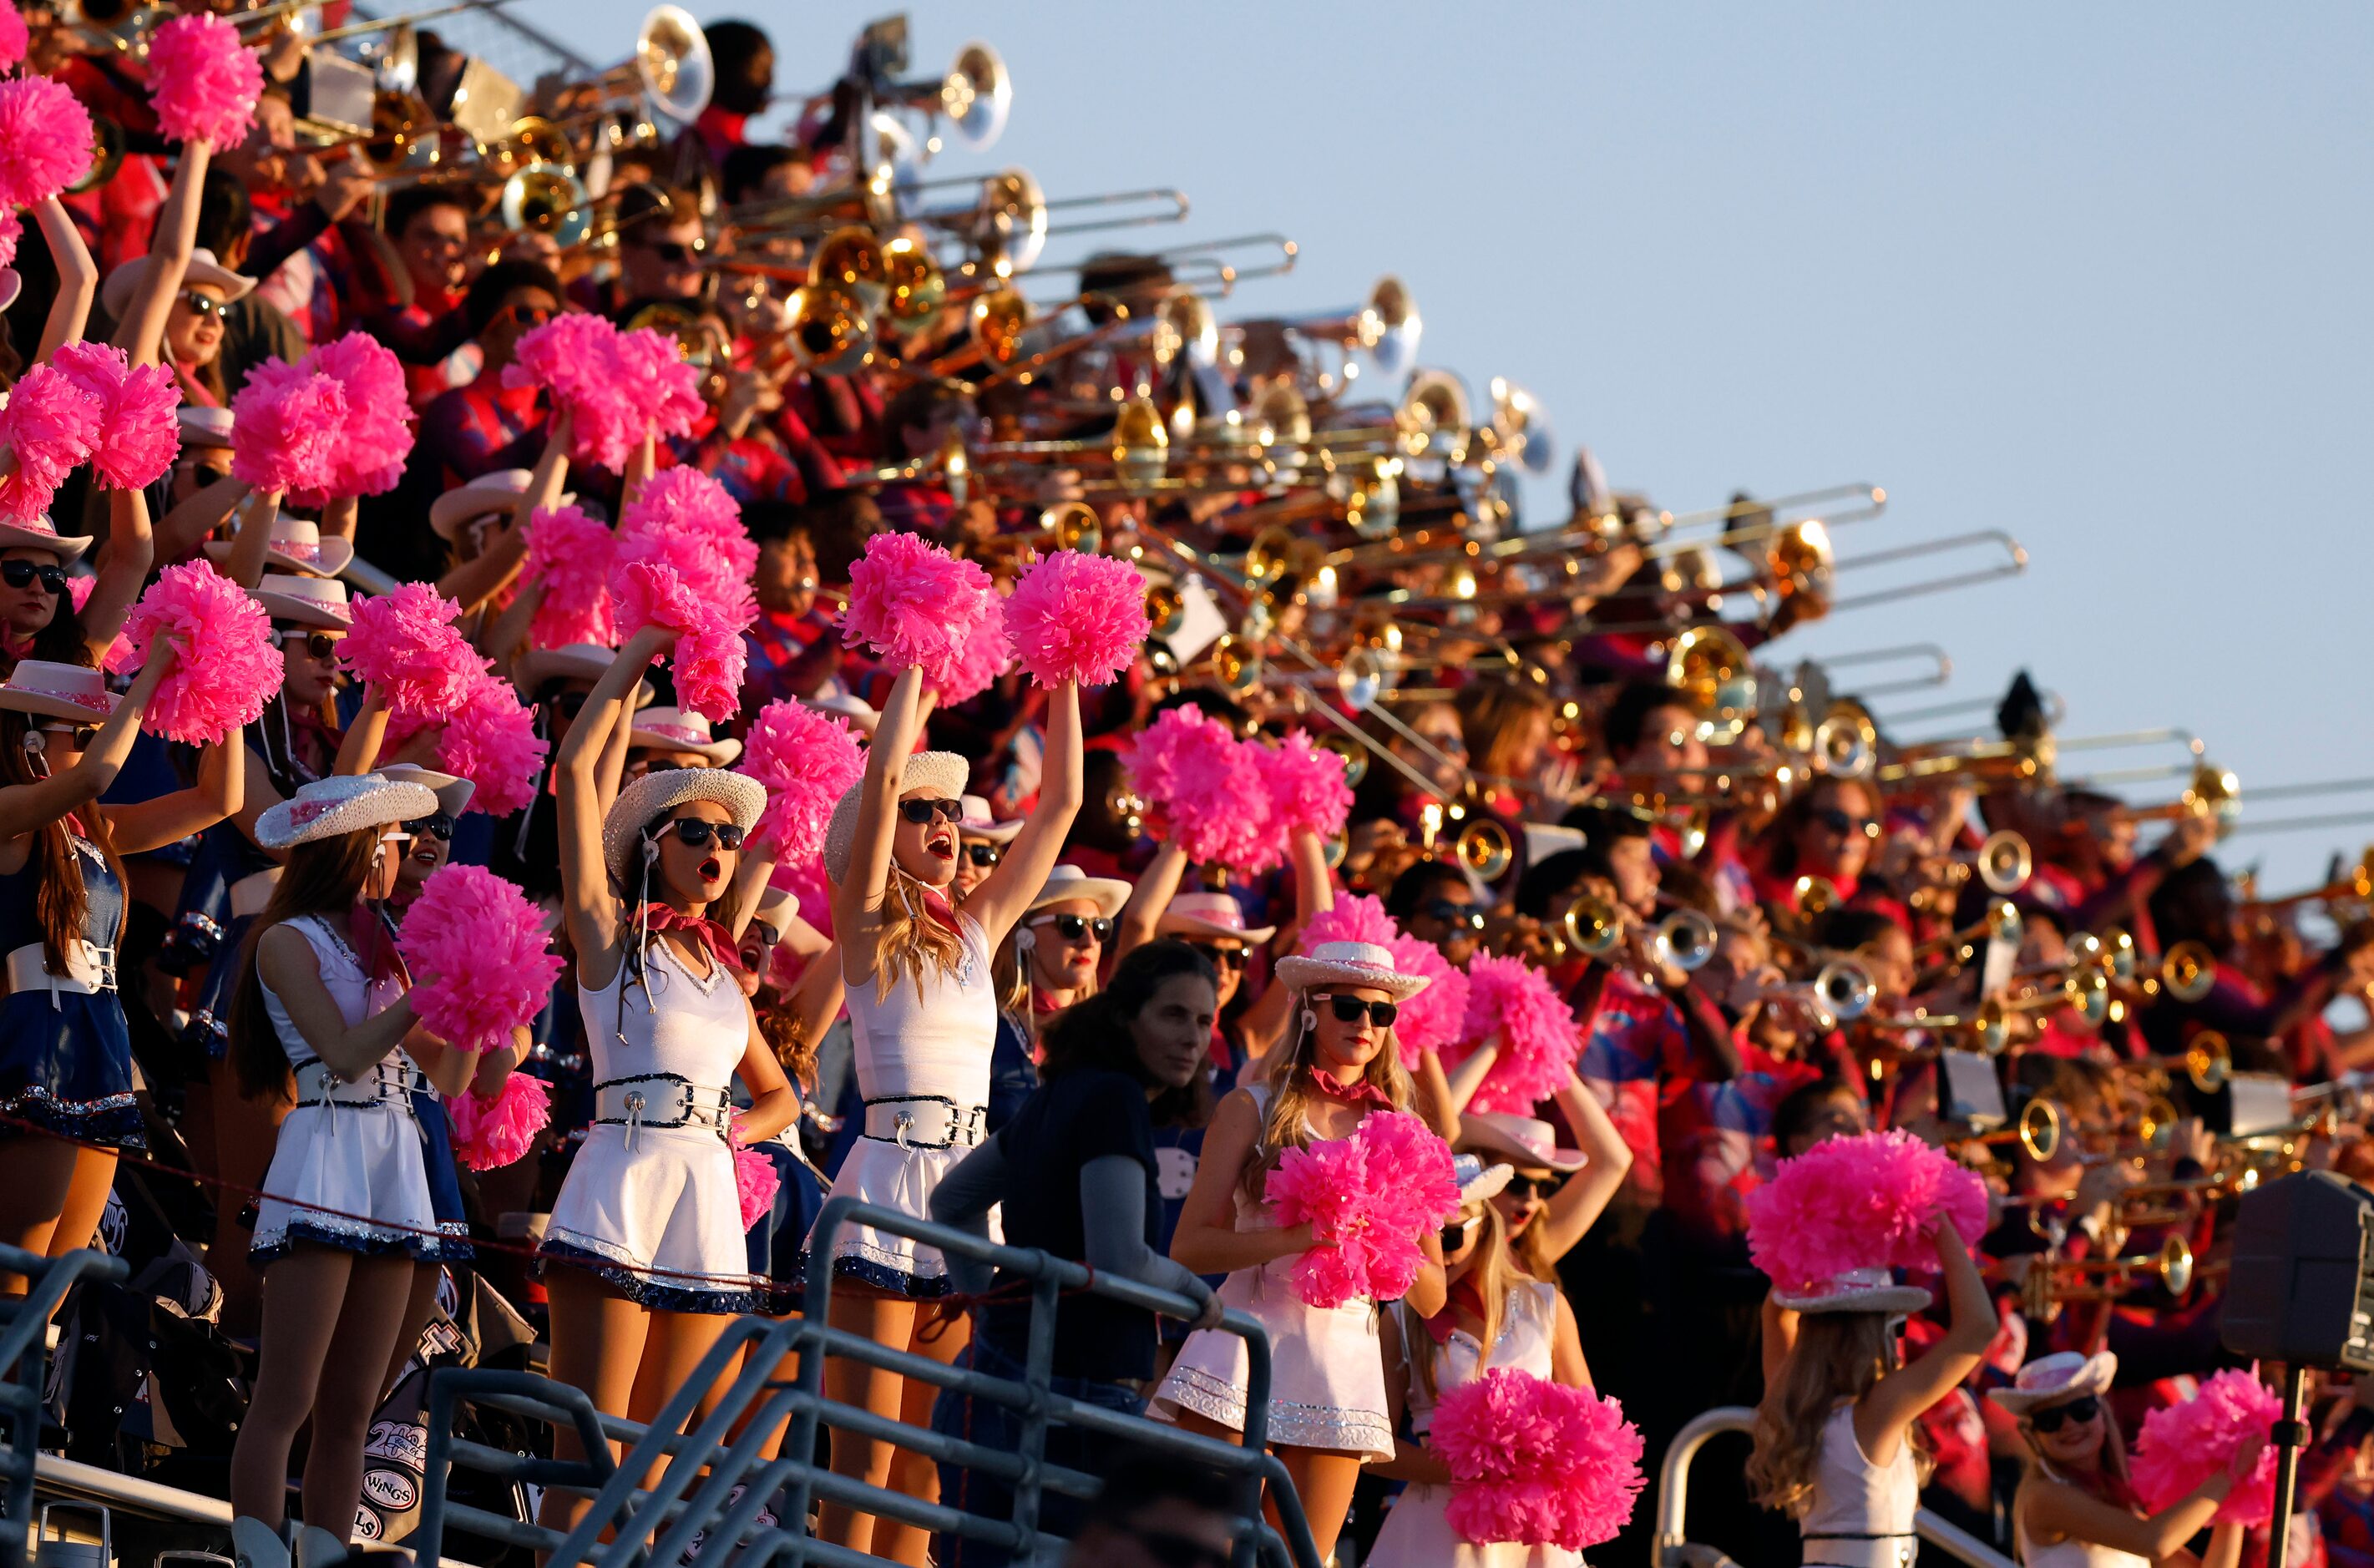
(940, 774)
(452, 790)
(1478, 1181)
(1856, 1290)
(58, 691)
(664, 728)
(339, 804)
(297, 546)
(1360, 964)
(35, 533)
(1192, 915)
(980, 822)
(496, 492)
(116, 292)
(1521, 1140)
(2057, 1379)
(308, 601)
(656, 793)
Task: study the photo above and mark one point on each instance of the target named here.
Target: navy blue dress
(66, 1057)
(234, 858)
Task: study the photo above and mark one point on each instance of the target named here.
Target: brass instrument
(106, 154)
(1840, 993)
(2000, 923)
(1595, 928)
(2003, 863)
(2164, 1202)
(2211, 791)
(2355, 885)
(2043, 1292)
(2207, 1060)
(2037, 1130)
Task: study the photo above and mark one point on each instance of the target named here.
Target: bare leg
(301, 1315)
(349, 1390)
(1325, 1481)
(885, 1321)
(419, 1303)
(245, 1131)
(94, 1176)
(36, 1181)
(597, 1344)
(911, 1474)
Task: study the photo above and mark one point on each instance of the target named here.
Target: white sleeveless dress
(2069, 1553)
(922, 1060)
(1417, 1533)
(348, 1175)
(1861, 1516)
(649, 1205)
(1327, 1369)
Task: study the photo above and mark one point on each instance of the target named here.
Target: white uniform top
(673, 1021)
(1861, 1516)
(934, 1041)
(2069, 1553)
(1526, 1327)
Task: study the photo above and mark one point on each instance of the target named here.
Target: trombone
(1840, 993)
(2043, 1294)
(1596, 928)
(2037, 1130)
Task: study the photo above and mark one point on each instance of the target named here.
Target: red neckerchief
(1360, 1094)
(1463, 1293)
(664, 918)
(936, 904)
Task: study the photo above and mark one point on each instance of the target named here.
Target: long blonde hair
(912, 938)
(1011, 971)
(1287, 1125)
(1839, 1358)
(1494, 1270)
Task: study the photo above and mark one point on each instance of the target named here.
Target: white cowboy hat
(116, 292)
(1856, 1290)
(863, 715)
(656, 793)
(2057, 1379)
(1521, 1140)
(1360, 964)
(980, 822)
(297, 546)
(204, 426)
(38, 534)
(1210, 914)
(308, 600)
(1478, 1181)
(673, 730)
(941, 774)
(339, 804)
(452, 791)
(58, 691)
(574, 662)
(1067, 882)
(488, 493)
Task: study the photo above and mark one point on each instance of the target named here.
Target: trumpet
(2037, 1130)
(2164, 1202)
(1840, 993)
(1386, 326)
(2355, 884)
(1595, 928)
(2207, 1060)
(2003, 863)
(2000, 923)
(2043, 1292)
(2211, 791)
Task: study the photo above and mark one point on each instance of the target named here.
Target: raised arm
(1585, 1197)
(25, 807)
(141, 333)
(197, 515)
(2055, 1510)
(1148, 897)
(587, 904)
(1265, 1022)
(359, 748)
(251, 540)
(77, 278)
(998, 902)
(123, 564)
(218, 792)
(857, 898)
(1892, 1404)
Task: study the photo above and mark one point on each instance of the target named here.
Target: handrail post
(1041, 1365)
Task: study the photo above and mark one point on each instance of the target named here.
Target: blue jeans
(995, 1426)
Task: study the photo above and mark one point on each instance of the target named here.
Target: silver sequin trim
(1293, 1425)
(320, 1223)
(907, 1263)
(674, 1278)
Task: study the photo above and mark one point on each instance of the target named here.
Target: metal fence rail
(694, 1463)
(24, 1364)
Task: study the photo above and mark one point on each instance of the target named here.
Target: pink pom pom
(754, 1181)
(569, 357)
(1305, 789)
(710, 654)
(79, 590)
(987, 653)
(1355, 917)
(45, 140)
(15, 38)
(1869, 1201)
(228, 665)
(406, 645)
(1076, 617)
(491, 1133)
(658, 382)
(12, 234)
(203, 81)
(481, 963)
(285, 429)
(685, 520)
(1535, 1462)
(1509, 1000)
(1208, 786)
(376, 435)
(1368, 1198)
(53, 425)
(573, 556)
(914, 604)
(138, 435)
(807, 761)
(2184, 1444)
(491, 741)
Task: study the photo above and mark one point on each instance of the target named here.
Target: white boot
(317, 1547)
(257, 1544)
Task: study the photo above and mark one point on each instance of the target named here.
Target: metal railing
(24, 1365)
(1674, 1548)
(715, 1474)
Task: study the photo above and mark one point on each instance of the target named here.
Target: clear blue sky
(2089, 274)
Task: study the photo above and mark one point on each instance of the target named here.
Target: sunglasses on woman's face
(206, 305)
(1456, 1233)
(1222, 958)
(80, 735)
(982, 854)
(2053, 1416)
(1351, 1010)
(677, 253)
(923, 811)
(440, 827)
(318, 645)
(24, 574)
(1543, 1187)
(569, 705)
(693, 832)
(1072, 928)
(1844, 825)
(524, 317)
(1458, 917)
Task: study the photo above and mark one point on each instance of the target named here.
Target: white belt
(925, 1121)
(1862, 1551)
(90, 970)
(662, 1100)
(249, 895)
(390, 1082)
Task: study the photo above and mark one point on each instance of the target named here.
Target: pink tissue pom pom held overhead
(228, 666)
(569, 357)
(285, 428)
(1869, 1201)
(367, 457)
(685, 520)
(1207, 784)
(1511, 1001)
(138, 434)
(1305, 789)
(15, 38)
(49, 427)
(710, 654)
(987, 652)
(492, 1132)
(491, 741)
(45, 140)
(1535, 1462)
(1077, 617)
(203, 82)
(662, 386)
(912, 604)
(481, 963)
(807, 761)
(1368, 1198)
(572, 555)
(406, 645)
(2182, 1445)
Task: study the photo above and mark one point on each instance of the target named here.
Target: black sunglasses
(922, 811)
(1523, 1186)
(982, 854)
(320, 645)
(81, 734)
(1072, 928)
(2053, 1416)
(206, 305)
(525, 316)
(1465, 917)
(440, 827)
(24, 574)
(569, 705)
(1223, 957)
(1351, 1009)
(1846, 826)
(675, 253)
(693, 832)
(1456, 1235)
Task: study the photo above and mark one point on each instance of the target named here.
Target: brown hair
(779, 1026)
(324, 876)
(1493, 716)
(61, 902)
(1839, 1358)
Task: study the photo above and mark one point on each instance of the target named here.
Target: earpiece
(650, 851)
(1025, 940)
(35, 744)
(1309, 1021)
